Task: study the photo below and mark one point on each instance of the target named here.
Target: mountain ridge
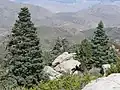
(68, 5)
(72, 25)
(9, 10)
(67, 22)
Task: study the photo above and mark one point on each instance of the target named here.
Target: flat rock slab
(112, 82)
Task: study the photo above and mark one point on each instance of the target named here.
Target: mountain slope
(70, 23)
(73, 25)
(9, 10)
(67, 5)
(82, 20)
(113, 33)
(89, 18)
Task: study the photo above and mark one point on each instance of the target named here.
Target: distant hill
(68, 5)
(70, 25)
(89, 18)
(79, 21)
(113, 33)
(9, 10)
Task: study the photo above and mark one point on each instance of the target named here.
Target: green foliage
(66, 82)
(61, 45)
(57, 48)
(115, 68)
(47, 58)
(69, 82)
(73, 48)
(65, 44)
(24, 54)
(84, 54)
(102, 53)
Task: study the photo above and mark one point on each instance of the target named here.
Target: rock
(67, 66)
(105, 68)
(63, 57)
(52, 74)
(95, 71)
(112, 82)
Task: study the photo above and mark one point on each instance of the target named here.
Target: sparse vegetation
(115, 68)
(68, 82)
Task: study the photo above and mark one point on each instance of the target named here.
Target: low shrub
(115, 68)
(66, 82)
(69, 82)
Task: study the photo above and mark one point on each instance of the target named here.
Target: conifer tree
(61, 46)
(24, 53)
(48, 58)
(57, 47)
(84, 54)
(102, 53)
(73, 48)
(65, 44)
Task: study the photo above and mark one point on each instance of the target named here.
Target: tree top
(100, 25)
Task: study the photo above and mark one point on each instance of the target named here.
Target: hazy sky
(66, 5)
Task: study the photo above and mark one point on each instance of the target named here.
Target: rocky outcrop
(63, 57)
(95, 71)
(67, 66)
(105, 68)
(112, 82)
(64, 63)
(52, 74)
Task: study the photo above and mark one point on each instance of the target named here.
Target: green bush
(68, 82)
(47, 58)
(115, 68)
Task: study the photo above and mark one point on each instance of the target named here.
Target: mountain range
(67, 5)
(75, 26)
(72, 25)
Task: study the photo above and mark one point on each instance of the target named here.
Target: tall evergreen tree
(24, 53)
(84, 54)
(102, 53)
(57, 49)
(65, 45)
(73, 48)
(48, 58)
(61, 45)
